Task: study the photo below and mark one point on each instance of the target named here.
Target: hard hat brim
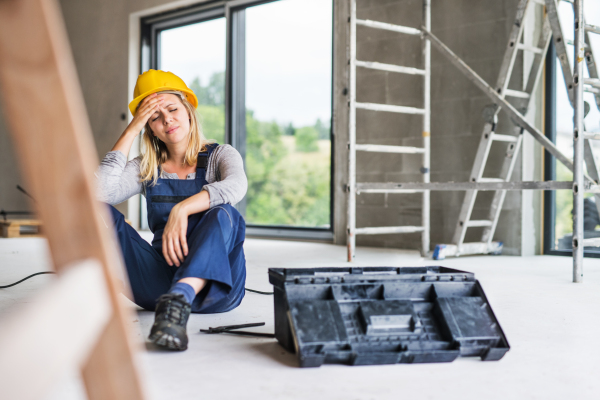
(190, 96)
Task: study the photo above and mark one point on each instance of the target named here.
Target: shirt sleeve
(117, 179)
(227, 182)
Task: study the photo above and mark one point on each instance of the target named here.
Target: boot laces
(174, 309)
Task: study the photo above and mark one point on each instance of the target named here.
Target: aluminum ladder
(353, 147)
(577, 84)
(521, 100)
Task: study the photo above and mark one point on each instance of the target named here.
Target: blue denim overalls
(215, 253)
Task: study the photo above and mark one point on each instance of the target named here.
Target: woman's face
(171, 122)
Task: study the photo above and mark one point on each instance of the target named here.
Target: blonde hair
(155, 152)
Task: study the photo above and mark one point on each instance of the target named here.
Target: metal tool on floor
(233, 330)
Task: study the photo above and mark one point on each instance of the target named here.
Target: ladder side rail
(560, 45)
(512, 152)
(510, 53)
(578, 179)
(351, 188)
(426, 170)
(483, 150)
(508, 166)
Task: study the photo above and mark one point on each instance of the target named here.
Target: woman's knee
(224, 214)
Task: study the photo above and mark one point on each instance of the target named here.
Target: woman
(196, 261)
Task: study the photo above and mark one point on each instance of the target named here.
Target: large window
(559, 127)
(262, 72)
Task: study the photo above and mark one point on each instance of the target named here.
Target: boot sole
(167, 341)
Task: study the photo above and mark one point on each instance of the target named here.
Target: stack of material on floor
(14, 228)
(384, 315)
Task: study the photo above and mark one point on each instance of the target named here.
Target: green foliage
(288, 168)
(306, 139)
(212, 119)
(214, 93)
(324, 130)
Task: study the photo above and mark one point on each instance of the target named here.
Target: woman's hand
(174, 241)
(148, 106)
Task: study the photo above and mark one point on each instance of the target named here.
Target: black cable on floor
(258, 291)
(51, 272)
(27, 277)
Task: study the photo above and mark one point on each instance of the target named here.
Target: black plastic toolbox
(383, 315)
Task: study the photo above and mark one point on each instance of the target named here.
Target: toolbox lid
(382, 315)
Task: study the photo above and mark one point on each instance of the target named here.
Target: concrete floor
(553, 327)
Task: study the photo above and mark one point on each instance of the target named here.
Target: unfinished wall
(476, 30)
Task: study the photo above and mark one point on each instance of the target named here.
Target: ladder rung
(531, 49)
(592, 28)
(592, 81)
(540, 2)
(503, 138)
(474, 223)
(390, 67)
(593, 189)
(591, 242)
(491, 180)
(390, 108)
(572, 43)
(379, 148)
(388, 27)
(591, 135)
(516, 93)
(388, 229)
(591, 90)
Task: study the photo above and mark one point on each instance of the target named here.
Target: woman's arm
(229, 185)
(117, 180)
(174, 240)
(227, 182)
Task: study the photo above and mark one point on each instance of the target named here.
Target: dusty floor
(552, 325)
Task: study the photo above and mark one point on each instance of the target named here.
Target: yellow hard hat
(153, 81)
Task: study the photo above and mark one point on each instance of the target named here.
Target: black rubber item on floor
(384, 315)
(27, 277)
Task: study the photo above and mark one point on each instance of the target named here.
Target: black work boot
(169, 329)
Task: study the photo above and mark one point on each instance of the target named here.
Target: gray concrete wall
(477, 31)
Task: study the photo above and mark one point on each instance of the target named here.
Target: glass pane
(563, 219)
(288, 113)
(196, 53)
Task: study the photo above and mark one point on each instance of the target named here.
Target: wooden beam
(46, 114)
(54, 332)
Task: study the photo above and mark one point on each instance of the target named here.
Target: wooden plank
(55, 331)
(12, 228)
(46, 114)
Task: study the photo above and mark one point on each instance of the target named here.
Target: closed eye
(169, 110)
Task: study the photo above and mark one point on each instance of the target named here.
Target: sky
(288, 58)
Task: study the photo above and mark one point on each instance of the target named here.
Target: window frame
(235, 110)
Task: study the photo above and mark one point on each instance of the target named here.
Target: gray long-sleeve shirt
(119, 179)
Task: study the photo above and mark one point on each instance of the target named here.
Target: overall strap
(202, 162)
